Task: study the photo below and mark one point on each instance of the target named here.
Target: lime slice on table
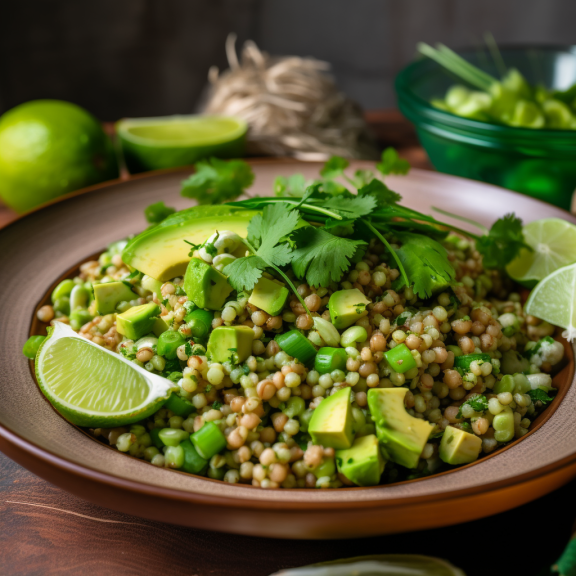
(91, 386)
(554, 243)
(554, 300)
(171, 141)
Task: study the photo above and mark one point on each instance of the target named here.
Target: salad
(327, 336)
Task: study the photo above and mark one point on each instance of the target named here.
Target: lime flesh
(554, 245)
(92, 386)
(554, 300)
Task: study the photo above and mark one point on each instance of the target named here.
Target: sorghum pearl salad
(366, 375)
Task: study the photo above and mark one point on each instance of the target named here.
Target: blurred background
(150, 58)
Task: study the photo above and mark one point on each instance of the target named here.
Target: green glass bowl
(540, 163)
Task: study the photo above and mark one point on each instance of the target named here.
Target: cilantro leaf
(320, 256)
(353, 207)
(541, 395)
(334, 167)
(217, 180)
(503, 243)
(294, 185)
(392, 163)
(362, 177)
(425, 262)
(478, 403)
(157, 212)
(243, 273)
(378, 190)
(216, 405)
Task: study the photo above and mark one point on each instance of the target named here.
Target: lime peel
(92, 386)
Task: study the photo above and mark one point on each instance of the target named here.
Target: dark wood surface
(44, 530)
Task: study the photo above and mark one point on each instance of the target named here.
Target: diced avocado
(230, 343)
(159, 326)
(161, 251)
(362, 463)
(347, 307)
(137, 321)
(269, 296)
(459, 447)
(402, 437)
(153, 285)
(205, 286)
(331, 423)
(110, 294)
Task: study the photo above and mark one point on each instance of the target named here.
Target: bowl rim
(408, 99)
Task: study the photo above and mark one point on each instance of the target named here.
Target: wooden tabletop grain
(44, 530)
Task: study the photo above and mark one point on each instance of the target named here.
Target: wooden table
(44, 530)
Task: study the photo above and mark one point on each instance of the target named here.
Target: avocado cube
(137, 321)
(269, 296)
(205, 286)
(402, 437)
(331, 423)
(109, 294)
(153, 285)
(459, 447)
(362, 463)
(347, 307)
(159, 326)
(230, 344)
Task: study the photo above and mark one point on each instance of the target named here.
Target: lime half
(91, 386)
(554, 300)
(171, 141)
(554, 243)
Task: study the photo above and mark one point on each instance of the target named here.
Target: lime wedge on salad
(171, 141)
(93, 387)
(554, 300)
(554, 245)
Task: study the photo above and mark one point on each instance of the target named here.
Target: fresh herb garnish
(217, 180)
(217, 405)
(157, 212)
(540, 395)
(391, 163)
(478, 403)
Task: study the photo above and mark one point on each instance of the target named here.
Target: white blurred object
(291, 104)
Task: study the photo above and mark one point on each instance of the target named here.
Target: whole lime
(48, 148)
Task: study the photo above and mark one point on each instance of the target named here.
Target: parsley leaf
(334, 167)
(353, 207)
(244, 273)
(541, 395)
(362, 177)
(392, 163)
(503, 243)
(378, 190)
(217, 180)
(157, 212)
(320, 256)
(425, 262)
(478, 403)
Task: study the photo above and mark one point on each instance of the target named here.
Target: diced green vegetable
(180, 406)
(328, 359)
(193, 462)
(400, 358)
(173, 436)
(209, 440)
(168, 343)
(31, 346)
(295, 344)
(199, 321)
(465, 361)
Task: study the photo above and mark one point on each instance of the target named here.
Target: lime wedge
(554, 243)
(91, 386)
(171, 141)
(554, 300)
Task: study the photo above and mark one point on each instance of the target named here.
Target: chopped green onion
(180, 406)
(193, 462)
(172, 436)
(199, 321)
(328, 359)
(31, 346)
(465, 361)
(297, 345)
(174, 456)
(400, 358)
(209, 440)
(168, 344)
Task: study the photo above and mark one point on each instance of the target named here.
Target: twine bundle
(291, 104)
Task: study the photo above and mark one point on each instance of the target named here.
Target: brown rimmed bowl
(46, 245)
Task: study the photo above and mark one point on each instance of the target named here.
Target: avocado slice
(137, 321)
(109, 294)
(269, 296)
(459, 447)
(347, 307)
(159, 326)
(230, 343)
(331, 423)
(160, 252)
(402, 437)
(205, 286)
(362, 463)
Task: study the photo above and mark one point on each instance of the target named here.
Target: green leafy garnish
(334, 167)
(217, 405)
(217, 180)
(354, 207)
(541, 395)
(478, 403)
(380, 192)
(294, 185)
(392, 163)
(157, 212)
(503, 243)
